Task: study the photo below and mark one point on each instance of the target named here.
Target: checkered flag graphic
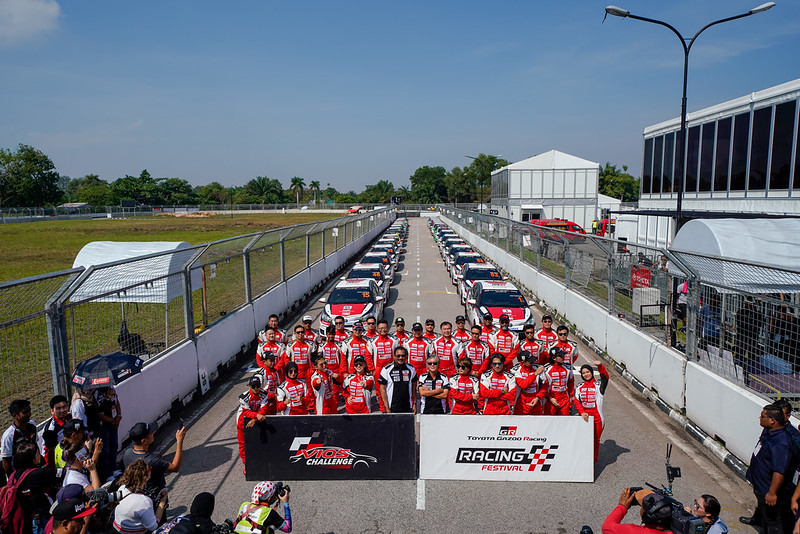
(540, 456)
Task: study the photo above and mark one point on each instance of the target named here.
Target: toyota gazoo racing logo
(508, 431)
(313, 452)
(502, 459)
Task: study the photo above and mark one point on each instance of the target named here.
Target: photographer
(259, 515)
(197, 521)
(707, 508)
(656, 513)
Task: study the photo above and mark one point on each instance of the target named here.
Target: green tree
(213, 193)
(379, 193)
(28, 178)
(427, 185)
(618, 184)
(346, 198)
(458, 186)
(478, 175)
(329, 193)
(315, 185)
(297, 186)
(143, 188)
(90, 189)
(266, 190)
(177, 191)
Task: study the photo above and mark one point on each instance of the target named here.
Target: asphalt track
(631, 453)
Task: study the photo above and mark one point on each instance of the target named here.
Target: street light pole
(619, 12)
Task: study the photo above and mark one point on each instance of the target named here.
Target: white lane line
(421, 494)
(417, 282)
(418, 305)
(418, 320)
(417, 292)
(417, 275)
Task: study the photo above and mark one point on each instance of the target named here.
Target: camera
(282, 489)
(226, 527)
(102, 498)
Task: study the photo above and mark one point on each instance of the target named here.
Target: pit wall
(175, 377)
(721, 409)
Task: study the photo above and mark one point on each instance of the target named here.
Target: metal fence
(145, 305)
(739, 319)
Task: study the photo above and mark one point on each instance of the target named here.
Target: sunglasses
(433, 363)
(497, 364)
(464, 367)
(362, 364)
(370, 324)
(339, 322)
(562, 333)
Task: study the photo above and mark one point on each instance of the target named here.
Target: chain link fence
(148, 304)
(741, 320)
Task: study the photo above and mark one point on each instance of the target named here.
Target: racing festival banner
(508, 448)
(332, 447)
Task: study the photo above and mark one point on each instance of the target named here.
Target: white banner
(506, 447)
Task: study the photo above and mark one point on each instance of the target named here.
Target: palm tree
(315, 186)
(297, 186)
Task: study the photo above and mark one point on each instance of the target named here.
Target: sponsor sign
(332, 447)
(640, 276)
(100, 381)
(78, 380)
(508, 448)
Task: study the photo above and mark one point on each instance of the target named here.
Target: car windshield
(483, 274)
(461, 260)
(365, 273)
(500, 299)
(350, 295)
(376, 258)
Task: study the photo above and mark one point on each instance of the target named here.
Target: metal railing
(148, 304)
(738, 319)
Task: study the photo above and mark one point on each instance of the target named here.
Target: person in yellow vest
(259, 515)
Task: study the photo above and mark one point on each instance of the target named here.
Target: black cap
(254, 382)
(358, 325)
(430, 321)
(359, 359)
(460, 318)
(504, 318)
(416, 326)
(556, 351)
(71, 509)
(73, 425)
(268, 355)
(139, 431)
(547, 316)
(487, 316)
(527, 355)
(399, 320)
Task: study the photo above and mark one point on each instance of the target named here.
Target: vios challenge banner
(503, 447)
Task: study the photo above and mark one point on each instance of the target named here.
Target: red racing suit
(528, 385)
(249, 407)
(506, 343)
(558, 385)
(570, 349)
(537, 348)
(430, 336)
(449, 351)
(358, 391)
(369, 336)
(358, 347)
(589, 399)
(340, 335)
(461, 335)
(293, 397)
(548, 336)
(276, 349)
(492, 384)
(402, 337)
(418, 352)
(311, 336)
(383, 349)
(479, 354)
(280, 335)
(322, 388)
(270, 380)
(337, 365)
(461, 390)
(299, 352)
(486, 333)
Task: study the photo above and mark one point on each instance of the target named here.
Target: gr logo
(508, 431)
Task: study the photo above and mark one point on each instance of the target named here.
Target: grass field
(42, 247)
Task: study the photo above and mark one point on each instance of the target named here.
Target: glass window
(669, 147)
(759, 150)
(741, 132)
(723, 153)
(782, 145)
(659, 150)
(707, 156)
(692, 155)
(648, 165)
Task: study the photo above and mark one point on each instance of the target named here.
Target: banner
(331, 447)
(508, 448)
(640, 276)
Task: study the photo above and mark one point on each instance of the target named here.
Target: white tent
(754, 255)
(114, 283)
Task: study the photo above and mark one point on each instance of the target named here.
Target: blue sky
(351, 92)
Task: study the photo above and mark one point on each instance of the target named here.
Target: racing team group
(458, 371)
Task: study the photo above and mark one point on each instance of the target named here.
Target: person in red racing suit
(487, 327)
(270, 380)
(559, 385)
(534, 345)
(341, 333)
(383, 348)
(358, 389)
(299, 352)
(464, 389)
(358, 346)
(589, 399)
(505, 342)
(400, 333)
(270, 344)
(570, 348)
(477, 351)
(461, 334)
(322, 387)
(526, 376)
(252, 408)
(293, 393)
(497, 388)
(336, 359)
(547, 334)
(448, 350)
(419, 349)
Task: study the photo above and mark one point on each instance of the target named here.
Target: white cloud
(25, 19)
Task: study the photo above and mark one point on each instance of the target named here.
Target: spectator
(109, 414)
(400, 333)
(478, 351)
(772, 466)
(398, 382)
(430, 326)
(135, 513)
(487, 327)
(293, 393)
(143, 437)
(546, 333)
(322, 386)
(419, 349)
(682, 302)
(589, 399)
(53, 429)
(447, 349)
(526, 379)
(784, 336)
(656, 513)
(81, 468)
(433, 388)
(197, 521)
(558, 386)
(533, 344)
(74, 431)
(505, 342)
(710, 318)
(707, 508)
(569, 348)
(253, 406)
(497, 387)
(34, 486)
(461, 334)
(22, 430)
(464, 389)
(84, 407)
(358, 388)
(258, 515)
(749, 322)
(69, 517)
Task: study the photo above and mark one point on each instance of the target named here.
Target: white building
(552, 185)
(741, 160)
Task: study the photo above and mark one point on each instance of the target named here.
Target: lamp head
(761, 8)
(619, 12)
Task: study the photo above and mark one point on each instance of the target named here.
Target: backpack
(12, 520)
(169, 525)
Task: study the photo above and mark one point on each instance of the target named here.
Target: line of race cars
(364, 290)
(481, 286)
